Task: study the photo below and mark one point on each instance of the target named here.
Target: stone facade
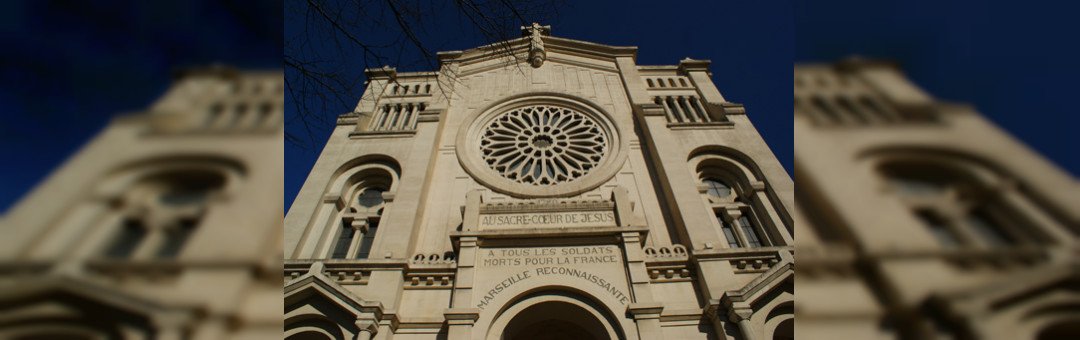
(167, 225)
(919, 219)
(540, 188)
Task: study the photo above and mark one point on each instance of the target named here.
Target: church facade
(542, 188)
(920, 219)
(166, 225)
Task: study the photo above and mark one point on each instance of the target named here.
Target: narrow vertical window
(367, 241)
(131, 234)
(988, 229)
(825, 109)
(175, 238)
(215, 114)
(341, 246)
(729, 233)
(939, 228)
(264, 114)
(753, 240)
(853, 112)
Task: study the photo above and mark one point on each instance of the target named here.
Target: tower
(542, 187)
(921, 219)
(167, 225)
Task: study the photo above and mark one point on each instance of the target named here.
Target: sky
(68, 66)
(1017, 63)
(749, 43)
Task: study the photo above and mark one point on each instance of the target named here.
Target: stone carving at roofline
(537, 53)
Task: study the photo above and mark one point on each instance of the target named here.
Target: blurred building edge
(167, 225)
(921, 219)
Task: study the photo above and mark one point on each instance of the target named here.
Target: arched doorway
(555, 320)
(785, 330)
(554, 316)
(1069, 329)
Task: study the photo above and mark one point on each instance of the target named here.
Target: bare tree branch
(329, 44)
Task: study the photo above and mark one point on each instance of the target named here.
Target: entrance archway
(1068, 329)
(552, 317)
(554, 320)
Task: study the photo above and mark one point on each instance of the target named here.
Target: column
(731, 216)
(762, 199)
(377, 118)
(459, 322)
(675, 110)
(681, 102)
(391, 124)
(360, 228)
(647, 318)
(150, 244)
(701, 110)
(670, 117)
(368, 327)
(741, 316)
(416, 115)
(313, 238)
(169, 325)
(410, 116)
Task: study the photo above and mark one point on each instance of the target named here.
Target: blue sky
(1016, 62)
(67, 67)
(750, 45)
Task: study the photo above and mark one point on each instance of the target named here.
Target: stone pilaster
(460, 321)
(647, 318)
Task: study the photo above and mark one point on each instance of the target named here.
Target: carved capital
(461, 316)
(642, 311)
(367, 325)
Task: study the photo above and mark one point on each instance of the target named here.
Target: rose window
(543, 145)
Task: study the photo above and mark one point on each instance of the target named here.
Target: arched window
(358, 199)
(161, 212)
(737, 199)
(952, 204)
(717, 188)
(358, 230)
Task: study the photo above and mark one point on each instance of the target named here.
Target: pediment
(316, 286)
(1014, 289)
(513, 54)
(69, 306)
(756, 290)
(88, 295)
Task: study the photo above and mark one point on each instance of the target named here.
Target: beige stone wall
(667, 270)
(222, 280)
(864, 237)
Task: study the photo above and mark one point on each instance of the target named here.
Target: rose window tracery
(543, 144)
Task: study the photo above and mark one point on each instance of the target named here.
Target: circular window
(543, 144)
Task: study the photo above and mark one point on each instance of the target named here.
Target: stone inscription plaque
(548, 220)
(504, 268)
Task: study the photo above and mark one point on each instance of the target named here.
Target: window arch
(359, 196)
(736, 196)
(360, 224)
(959, 202)
(157, 206)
